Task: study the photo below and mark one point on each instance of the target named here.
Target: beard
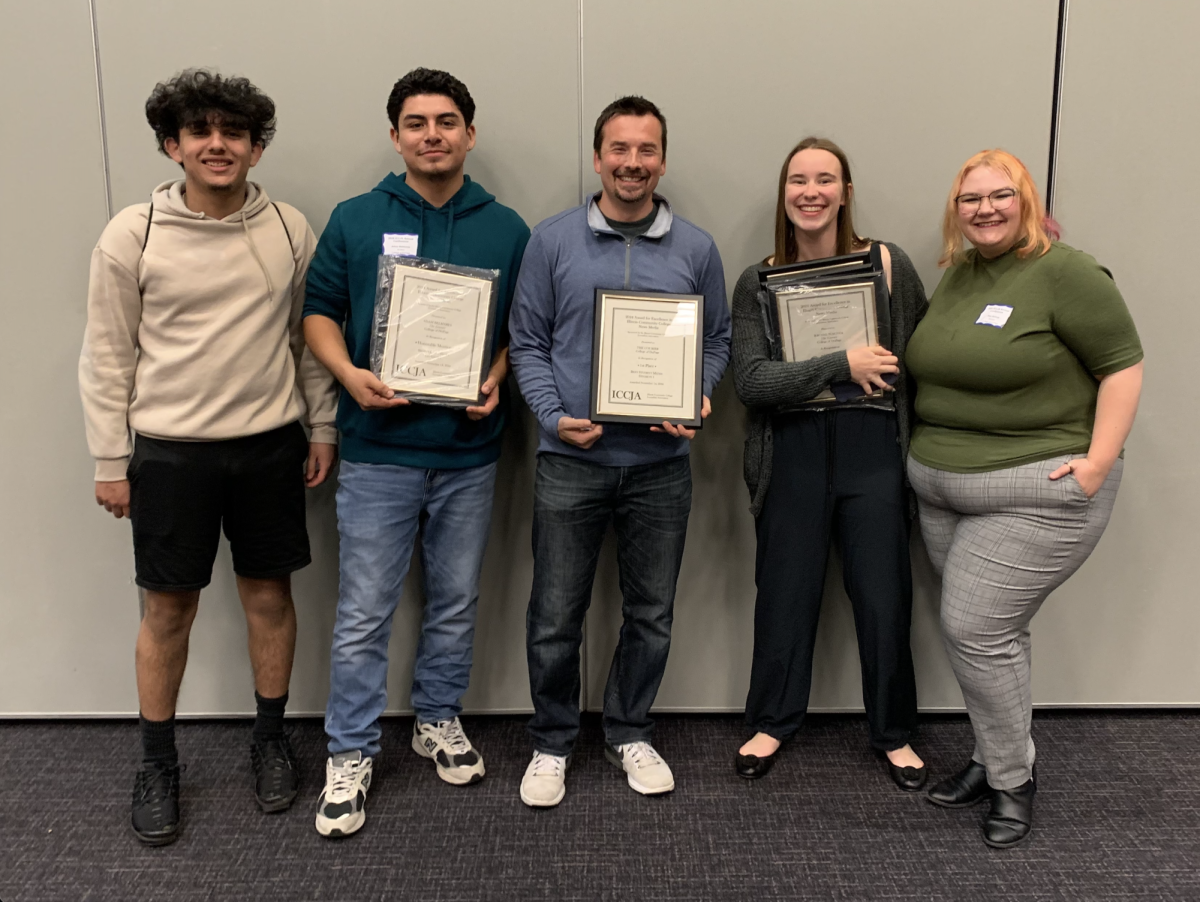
(631, 193)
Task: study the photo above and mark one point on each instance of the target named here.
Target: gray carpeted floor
(1118, 817)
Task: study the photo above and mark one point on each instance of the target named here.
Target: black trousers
(836, 475)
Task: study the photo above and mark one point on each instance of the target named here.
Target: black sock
(158, 742)
(268, 723)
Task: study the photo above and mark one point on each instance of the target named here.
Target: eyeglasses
(1000, 200)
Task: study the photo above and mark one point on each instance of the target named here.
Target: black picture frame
(827, 272)
(603, 297)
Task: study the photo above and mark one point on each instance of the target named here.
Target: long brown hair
(785, 237)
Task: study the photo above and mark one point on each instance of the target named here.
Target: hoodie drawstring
(254, 250)
(450, 232)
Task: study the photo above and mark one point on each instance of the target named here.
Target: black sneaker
(276, 779)
(156, 805)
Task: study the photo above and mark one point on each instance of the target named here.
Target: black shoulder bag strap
(285, 228)
(149, 219)
(283, 223)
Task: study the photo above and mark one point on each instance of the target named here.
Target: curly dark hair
(629, 106)
(430, 81)
(197, 97)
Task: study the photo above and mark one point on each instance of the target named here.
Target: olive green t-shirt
(1007, 358)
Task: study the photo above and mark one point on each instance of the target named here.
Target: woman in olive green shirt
(1028, 371)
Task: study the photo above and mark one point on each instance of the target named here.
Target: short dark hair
(429, 81)
(197, 97)
(633, 105)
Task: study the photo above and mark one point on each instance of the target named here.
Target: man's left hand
(321, 456)
(683, 431)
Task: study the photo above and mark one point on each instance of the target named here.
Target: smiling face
(630, 163)
(216, 157)
(433, 137)
(992, 231)
(814, 191)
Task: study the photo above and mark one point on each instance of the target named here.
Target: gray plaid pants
(1002, 541)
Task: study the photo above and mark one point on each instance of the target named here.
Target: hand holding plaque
(647, 358)
(432, 336)
(822, 307)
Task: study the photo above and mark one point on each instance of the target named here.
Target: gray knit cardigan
(765, 385)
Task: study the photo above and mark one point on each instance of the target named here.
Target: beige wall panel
(900, 87)
(740, 84)
(67, 608)
(1124, 631)
(329, 68)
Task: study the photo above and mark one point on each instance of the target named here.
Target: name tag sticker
(396, 245)
(994, 315)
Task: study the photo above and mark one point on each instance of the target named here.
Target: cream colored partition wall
(899, 86)
(1124, 631)
(64, 646)
(330, 68)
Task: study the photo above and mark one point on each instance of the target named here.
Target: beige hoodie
(199, 336)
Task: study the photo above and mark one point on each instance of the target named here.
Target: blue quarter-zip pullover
(568, 257)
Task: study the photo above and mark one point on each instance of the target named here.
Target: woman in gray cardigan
(828, 471)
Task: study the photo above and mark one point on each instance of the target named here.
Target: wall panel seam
(1060, 71)
(584, 688)
(579, 98)
(108, 204)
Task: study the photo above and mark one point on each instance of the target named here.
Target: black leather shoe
(156, 805)
(966, 788)
(752, 767)
(276, 779)
(1010, 818)
(908, 778)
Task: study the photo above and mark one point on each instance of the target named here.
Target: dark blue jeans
(574, 501)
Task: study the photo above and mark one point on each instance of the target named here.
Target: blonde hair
(1035, 229)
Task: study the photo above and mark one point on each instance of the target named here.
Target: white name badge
(396, 245)
(994, 315)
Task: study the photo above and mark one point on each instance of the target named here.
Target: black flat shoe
(966, 788)
(1010, 819)
(908, 778)
(752, 767)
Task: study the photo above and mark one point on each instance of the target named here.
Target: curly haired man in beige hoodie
(196, 384)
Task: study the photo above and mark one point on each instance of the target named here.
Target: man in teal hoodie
(408, 466)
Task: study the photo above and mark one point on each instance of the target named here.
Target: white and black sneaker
(340, 809)
(445, 742)
(645, 770)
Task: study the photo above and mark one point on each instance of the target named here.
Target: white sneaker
(340, 807)
(645, 769)
(446, 743)
(545, 781)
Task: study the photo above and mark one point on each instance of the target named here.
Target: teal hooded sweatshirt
(470, 229)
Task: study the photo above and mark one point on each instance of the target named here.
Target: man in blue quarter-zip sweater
(406, 466)
(638, 477)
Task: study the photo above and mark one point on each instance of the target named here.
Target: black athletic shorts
(182, 493)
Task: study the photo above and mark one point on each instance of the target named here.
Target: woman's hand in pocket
(1087, 474)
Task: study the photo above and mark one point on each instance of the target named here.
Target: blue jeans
(380, 508)
(573, 503)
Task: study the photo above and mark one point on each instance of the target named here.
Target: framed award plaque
(647, 358)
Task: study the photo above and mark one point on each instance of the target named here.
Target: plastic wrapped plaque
(823, 306)
(432, 336)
